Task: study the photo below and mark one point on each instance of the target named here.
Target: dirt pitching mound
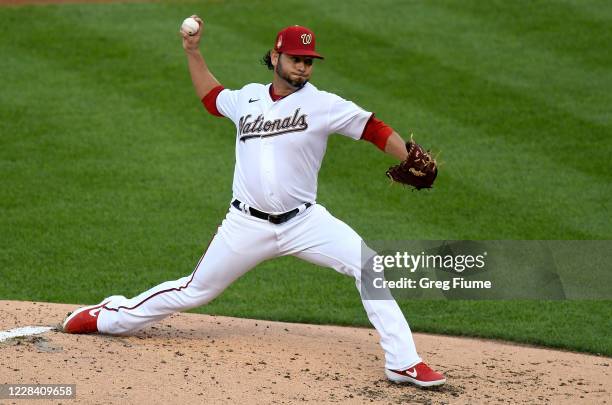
(191, 358)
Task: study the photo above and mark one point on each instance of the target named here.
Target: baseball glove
(418, 170)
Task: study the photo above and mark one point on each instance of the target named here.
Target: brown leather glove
(418, 170)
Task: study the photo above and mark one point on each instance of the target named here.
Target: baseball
(190, 26)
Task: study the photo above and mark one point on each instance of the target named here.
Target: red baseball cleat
(420, 375)
(83, 320)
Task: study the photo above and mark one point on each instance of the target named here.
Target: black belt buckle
(277, 219)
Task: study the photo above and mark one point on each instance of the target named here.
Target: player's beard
(296, 84)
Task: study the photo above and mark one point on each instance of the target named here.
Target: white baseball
(190, 26)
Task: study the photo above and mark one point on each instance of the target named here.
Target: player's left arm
(385, 138)
(396, 146)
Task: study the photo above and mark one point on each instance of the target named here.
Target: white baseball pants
(241, 243)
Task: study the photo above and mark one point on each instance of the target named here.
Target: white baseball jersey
(280, 144)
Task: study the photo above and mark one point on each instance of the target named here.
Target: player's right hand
(191, 43)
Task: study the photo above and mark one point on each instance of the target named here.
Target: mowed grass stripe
(545, 24)
(597, 10)
(497, 109)
(528, 63)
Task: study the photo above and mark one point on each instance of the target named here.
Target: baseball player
(282, 130)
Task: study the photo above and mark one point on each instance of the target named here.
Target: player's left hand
(418, 170)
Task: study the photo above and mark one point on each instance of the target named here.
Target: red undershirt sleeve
(377, 132)
(210, 101)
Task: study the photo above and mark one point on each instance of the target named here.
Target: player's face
(295, 70)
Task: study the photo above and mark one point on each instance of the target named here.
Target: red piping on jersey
(210, 101)
(377, 132)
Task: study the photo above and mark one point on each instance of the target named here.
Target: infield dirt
(190, 358)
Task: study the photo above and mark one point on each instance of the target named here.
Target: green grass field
(114, 177)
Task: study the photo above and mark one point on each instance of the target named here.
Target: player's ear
(274, 55)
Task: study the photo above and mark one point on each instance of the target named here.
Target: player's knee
(203, 294)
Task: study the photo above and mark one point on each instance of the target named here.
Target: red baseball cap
(297, 41)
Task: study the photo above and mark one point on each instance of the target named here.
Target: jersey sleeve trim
(210, 101)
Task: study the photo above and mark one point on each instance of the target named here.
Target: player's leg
(322, 239)
(240, 244)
